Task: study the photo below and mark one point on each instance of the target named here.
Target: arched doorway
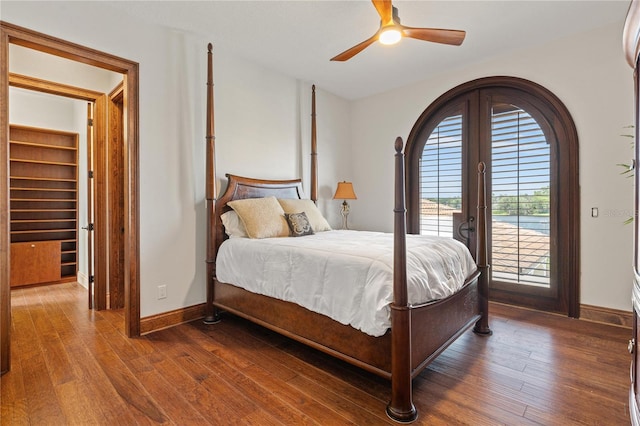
(528, 140)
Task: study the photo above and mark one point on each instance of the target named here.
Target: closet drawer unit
(35, 262)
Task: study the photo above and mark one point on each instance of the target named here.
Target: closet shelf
(41, 210)
(45, 146)
(28, 188)
(45, 179)
(44, 231)
(53, 163)
(41, 220)
(45, 200)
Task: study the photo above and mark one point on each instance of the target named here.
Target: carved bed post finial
(482, 326)
(314, 148)
(210, 176)
(401, 407)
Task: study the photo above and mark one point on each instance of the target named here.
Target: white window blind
(441, 178)
(520, 202)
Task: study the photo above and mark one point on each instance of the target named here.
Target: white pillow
(294, 205)
(261, 217)
(233, 226)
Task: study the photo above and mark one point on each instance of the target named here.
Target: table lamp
(345, 192)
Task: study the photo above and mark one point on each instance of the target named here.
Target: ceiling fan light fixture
(391, 32)
(390, 35)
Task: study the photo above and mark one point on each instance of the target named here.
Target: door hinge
(92, 278)
(90, 122)
(90, 174)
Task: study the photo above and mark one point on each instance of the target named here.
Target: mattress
(346, 275)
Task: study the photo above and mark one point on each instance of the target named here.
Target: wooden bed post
(314, 148)
(401, 407)
(482, 326)
(210, 315)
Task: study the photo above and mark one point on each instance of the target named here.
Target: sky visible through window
(519, 154)
(442, 157)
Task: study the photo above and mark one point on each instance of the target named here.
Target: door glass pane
(520, 202)
(441, 178)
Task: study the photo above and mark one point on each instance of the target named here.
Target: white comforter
(346, 275)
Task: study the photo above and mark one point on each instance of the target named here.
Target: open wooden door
(90, 191)
(115, 182)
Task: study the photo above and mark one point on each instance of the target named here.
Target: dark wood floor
(73, 366)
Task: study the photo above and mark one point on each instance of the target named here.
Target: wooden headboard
(239, 188)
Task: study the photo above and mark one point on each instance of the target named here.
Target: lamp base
(345, 213)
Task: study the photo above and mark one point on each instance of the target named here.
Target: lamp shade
(345, 191)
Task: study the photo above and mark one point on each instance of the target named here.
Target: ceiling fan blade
(436, 35)
(385, 10)
(350, 53)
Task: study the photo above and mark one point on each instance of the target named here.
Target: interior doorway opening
(14, 35)
(43, 104)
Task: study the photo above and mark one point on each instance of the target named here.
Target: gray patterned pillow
(299, 224)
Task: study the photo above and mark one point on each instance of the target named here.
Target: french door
(512, 131)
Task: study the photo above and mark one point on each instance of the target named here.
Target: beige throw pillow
(317, 221)
(262, 217)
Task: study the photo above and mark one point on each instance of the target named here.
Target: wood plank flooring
(73, 366)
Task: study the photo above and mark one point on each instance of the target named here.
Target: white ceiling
(298, 38)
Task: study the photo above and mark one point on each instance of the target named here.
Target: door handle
(467, 227)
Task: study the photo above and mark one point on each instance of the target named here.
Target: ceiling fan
(391, 31)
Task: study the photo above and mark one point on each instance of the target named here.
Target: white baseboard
(83, 279)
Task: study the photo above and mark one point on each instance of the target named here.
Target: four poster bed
(417, 332)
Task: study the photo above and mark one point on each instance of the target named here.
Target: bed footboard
(420, 334)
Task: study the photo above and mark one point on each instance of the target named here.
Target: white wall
(589, 74)
(35, 109)
(261, 131)
(30, 62)
(333, 121)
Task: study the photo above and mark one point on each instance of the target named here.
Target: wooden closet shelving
(43, 204)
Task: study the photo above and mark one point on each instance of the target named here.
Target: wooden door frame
(12, 34)
(114, 180)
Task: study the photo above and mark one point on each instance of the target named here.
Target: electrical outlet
(162, 292)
